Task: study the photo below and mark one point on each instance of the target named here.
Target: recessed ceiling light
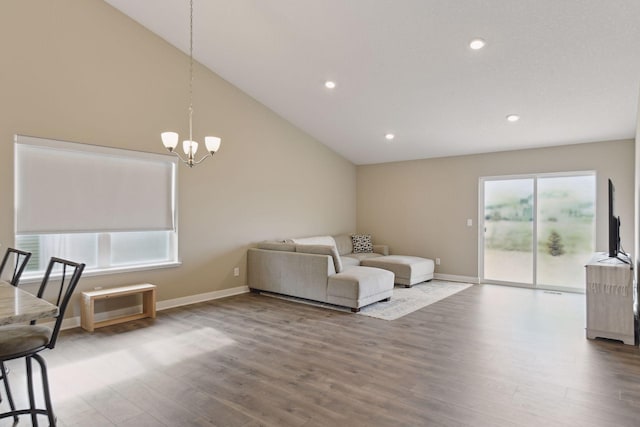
(330, 84)
(476, 44)
(389, 136)
(513, 117)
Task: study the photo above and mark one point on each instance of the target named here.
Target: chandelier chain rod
(191, 71)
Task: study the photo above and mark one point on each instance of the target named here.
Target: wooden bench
(87, 314)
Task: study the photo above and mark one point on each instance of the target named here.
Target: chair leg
(32, 411)
(5, 378)
(45, 389)
(32, 398)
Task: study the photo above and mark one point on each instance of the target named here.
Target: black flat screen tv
(614, 224)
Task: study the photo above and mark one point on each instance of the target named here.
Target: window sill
(88, 272)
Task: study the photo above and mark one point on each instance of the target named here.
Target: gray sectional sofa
(325, 269)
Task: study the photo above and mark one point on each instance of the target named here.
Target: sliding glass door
(559, 210)
(566, 229)
(508, 230)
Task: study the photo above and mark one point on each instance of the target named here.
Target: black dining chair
(27, 341)
(18, 260)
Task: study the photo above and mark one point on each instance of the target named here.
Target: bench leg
(149, 303)
(87, 314)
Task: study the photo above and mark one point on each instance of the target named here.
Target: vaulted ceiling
(570, 69)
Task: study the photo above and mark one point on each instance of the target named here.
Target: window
(110, 208)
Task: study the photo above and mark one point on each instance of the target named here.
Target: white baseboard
(454, 278)
(207, 296)
(74, 322)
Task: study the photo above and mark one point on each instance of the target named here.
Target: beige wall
(82, 71)
(421, 207)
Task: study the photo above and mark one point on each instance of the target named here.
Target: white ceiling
(569, 68)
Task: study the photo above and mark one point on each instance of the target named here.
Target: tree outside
(554, 244)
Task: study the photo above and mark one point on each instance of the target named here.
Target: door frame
(481, 226)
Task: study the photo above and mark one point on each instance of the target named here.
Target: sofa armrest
(381, 249)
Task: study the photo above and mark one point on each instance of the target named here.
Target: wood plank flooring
(487, 356)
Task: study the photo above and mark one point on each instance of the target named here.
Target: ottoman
(408, 270)
(358, 286)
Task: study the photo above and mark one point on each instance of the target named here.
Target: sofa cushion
(315, 240)
(344, 243)
(349, 261)
(358, 282)
(408, 270)
(363, 256)
(323, 250)
(361, 243)
(277, 245)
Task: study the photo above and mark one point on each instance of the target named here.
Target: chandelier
(190, 147)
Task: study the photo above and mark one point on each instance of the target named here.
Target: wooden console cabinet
(610, 299)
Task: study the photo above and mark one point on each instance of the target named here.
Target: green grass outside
(575, 235)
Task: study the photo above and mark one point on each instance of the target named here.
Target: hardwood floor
(487, 356)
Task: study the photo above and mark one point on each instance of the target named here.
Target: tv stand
(610, 299)
(624, 260)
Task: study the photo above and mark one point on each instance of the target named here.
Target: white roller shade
(64, 187)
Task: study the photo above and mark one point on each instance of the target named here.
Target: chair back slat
(18, 260)
(66, 283)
